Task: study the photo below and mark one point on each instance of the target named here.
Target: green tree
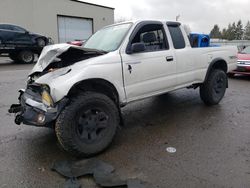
(215, 32)
(231, 31)
(224, 34)
(239, 31)
(247, 31)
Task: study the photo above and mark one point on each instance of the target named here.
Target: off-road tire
(67, 124)
(26, 57)
(214, 88)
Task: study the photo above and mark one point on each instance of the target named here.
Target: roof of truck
(148, 20)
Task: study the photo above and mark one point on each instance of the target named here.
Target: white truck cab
(80, 91)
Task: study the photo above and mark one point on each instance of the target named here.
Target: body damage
(58, 69)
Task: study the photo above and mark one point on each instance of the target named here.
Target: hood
(62, 55)
(243, 56)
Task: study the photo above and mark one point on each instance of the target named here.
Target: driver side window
(152, 36)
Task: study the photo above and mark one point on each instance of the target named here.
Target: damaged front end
(36, 105)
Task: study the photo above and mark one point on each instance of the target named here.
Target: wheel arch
(217, 63)
(36, 38)
(95, 85)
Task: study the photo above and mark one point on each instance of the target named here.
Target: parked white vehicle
(80, 91)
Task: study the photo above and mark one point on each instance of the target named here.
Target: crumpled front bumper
(31, 111)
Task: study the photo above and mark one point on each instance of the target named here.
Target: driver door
(151, 71)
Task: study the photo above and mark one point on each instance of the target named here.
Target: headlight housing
(46, 97)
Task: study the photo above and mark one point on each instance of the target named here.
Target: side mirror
(138, 47)
(27, 32)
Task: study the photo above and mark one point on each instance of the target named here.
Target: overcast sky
(200, 15)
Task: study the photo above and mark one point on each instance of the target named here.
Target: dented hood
(50, 53)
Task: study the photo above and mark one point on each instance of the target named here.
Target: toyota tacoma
(79, 92)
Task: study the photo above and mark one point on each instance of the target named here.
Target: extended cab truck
(80, 91)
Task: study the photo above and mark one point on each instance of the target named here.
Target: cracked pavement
(213, 143)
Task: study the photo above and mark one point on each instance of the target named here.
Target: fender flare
(217, 63)
(214, 65)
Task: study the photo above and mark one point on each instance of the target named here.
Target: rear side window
(177, 36)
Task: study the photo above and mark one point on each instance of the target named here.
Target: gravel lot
(212, 143)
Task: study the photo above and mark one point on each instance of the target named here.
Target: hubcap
(92, 124)
(27, 57)
(219, 85)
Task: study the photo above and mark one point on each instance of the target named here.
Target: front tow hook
(18, 119)
(15, 108)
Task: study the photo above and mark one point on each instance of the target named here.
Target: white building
(62, 20)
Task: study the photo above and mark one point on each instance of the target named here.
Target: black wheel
(14, 57)
(26, 56)
(41, 42)
(88, 124)
(214, 88)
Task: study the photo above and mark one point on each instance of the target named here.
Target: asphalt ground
(212, 143)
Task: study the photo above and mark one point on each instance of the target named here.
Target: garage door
(71, 29)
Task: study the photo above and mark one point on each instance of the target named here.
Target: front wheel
(214, 88)
(88, 124)
(41, 42)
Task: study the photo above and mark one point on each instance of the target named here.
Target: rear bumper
(32, 112)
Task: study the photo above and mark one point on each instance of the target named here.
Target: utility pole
(177, 17)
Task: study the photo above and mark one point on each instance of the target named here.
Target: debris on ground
(103, 174)
(171, 149)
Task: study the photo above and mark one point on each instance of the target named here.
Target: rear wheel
(26, 56)
(214, 88)
(88, 124)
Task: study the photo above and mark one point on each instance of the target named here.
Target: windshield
(246, 50)
(109, 38)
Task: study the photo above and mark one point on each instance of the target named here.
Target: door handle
(170, 58)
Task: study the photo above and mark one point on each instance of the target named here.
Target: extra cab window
(177, 36)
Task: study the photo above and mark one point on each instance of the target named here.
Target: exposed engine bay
(58, 56)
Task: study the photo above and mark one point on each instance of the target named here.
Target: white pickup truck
(80, 91)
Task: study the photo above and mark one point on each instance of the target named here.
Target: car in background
(77, 42)
(13, 34)
(20, 44)
(243, 63)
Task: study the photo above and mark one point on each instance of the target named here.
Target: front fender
(62, 80)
